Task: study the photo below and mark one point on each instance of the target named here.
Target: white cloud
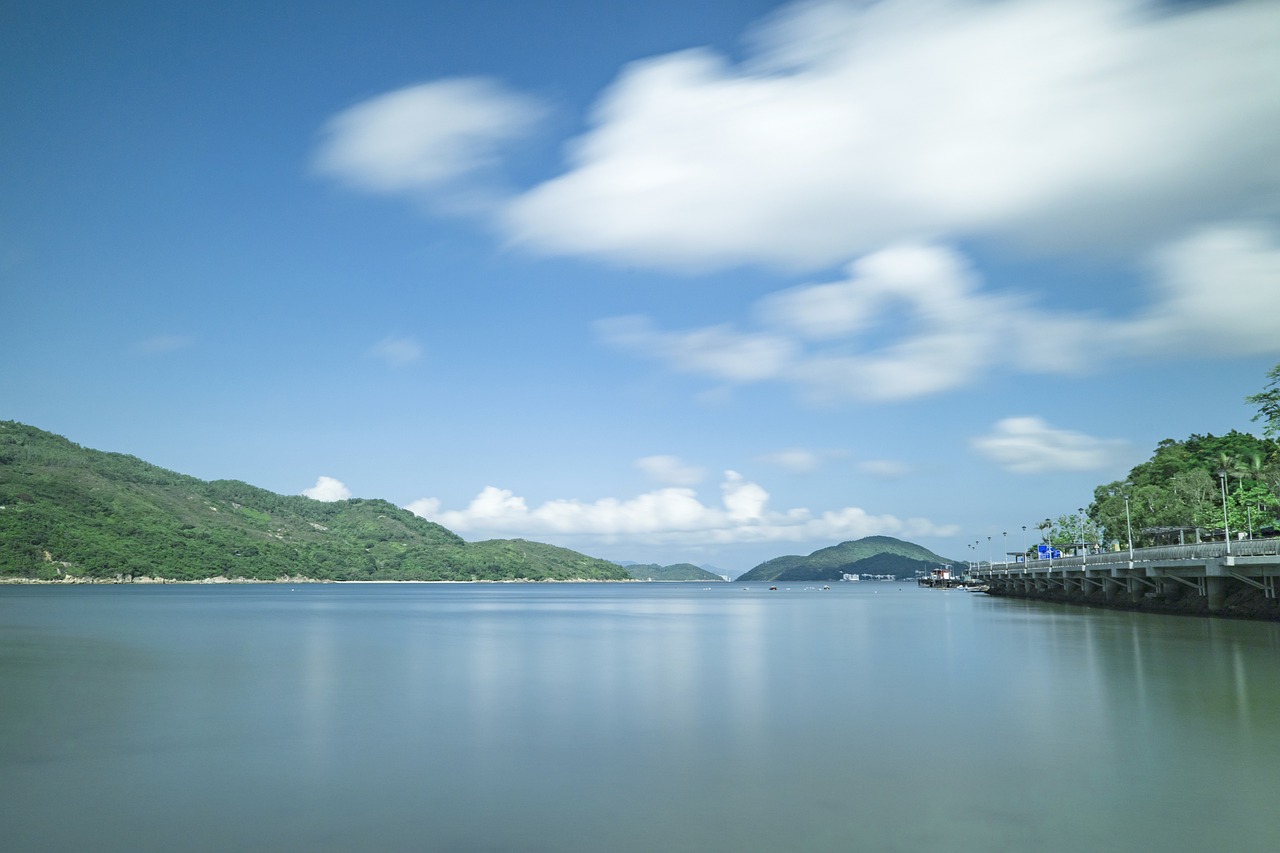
(948, 341)
(716, 351)
(670, 515)
(328, 489)
(1216, 290)
(397, 351)
(799, 460)
(669, 470)
(1028, 445)
(859, 124)
(885, 469)
(424, 136)
(915, 319)
(893, 130)
(425, 507)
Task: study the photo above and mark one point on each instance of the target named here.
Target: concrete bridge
(1213, 571)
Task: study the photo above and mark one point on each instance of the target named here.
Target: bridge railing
(1158, 553)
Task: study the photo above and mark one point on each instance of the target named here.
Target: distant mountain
(676, 572)
(67, 511)
(873, 555)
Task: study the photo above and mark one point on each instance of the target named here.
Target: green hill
(874, 555)
(676, 572)
(70, 511)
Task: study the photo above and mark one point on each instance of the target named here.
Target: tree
(1248, 508)
(1268, 403)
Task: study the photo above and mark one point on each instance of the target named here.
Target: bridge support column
(1110, 586)
(1215, 589)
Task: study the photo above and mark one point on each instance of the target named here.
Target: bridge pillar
(1216, 591)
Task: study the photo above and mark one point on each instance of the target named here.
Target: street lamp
(1084, 547)
(1006, 547)
(1226, 530)
(1128, 526)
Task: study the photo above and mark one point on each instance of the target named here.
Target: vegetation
(67, 511)
(1184, 485)
(676, 572)
(1187, 484)
(1268, 402)
(873, 555)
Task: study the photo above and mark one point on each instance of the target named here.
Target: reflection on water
(626, 717)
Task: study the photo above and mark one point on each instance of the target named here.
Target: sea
(478, 718)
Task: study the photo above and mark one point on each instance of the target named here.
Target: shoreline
(144, 580)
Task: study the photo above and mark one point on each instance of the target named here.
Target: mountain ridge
(674, 572)
(69, 512)
(868, 555)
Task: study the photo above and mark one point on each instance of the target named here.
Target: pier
(1216, 577)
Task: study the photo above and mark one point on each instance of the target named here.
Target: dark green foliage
(1268, 402)
(872, 555)
(1182, 485)
(676, 572)
(73, 511)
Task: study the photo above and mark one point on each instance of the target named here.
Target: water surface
(627, 717)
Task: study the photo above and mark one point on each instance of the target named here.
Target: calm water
(627, 717)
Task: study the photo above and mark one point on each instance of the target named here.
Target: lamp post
(1128, 526)
(1226, 530)
(1084, 546)
(1006, 547)
(1048, 538)
(991, 558)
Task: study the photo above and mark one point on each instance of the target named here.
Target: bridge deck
(1210, 569)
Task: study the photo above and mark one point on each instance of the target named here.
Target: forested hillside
(878, 555)
(70, 511)
(675, 572)
(1183, 485)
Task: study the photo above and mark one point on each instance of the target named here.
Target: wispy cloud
(716, 351)
(671, 515)
(397, 351)
(807, 329)
(1213, 291)
(854, 125)
(424, 137)
(892, 132)
(800, 460)
(328, 489)
(1218, 289)
(1028, 445)
(670, 471)
(885, 469)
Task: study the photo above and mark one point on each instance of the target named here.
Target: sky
(706, 282)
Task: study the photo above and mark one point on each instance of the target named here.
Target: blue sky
(657, 281)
